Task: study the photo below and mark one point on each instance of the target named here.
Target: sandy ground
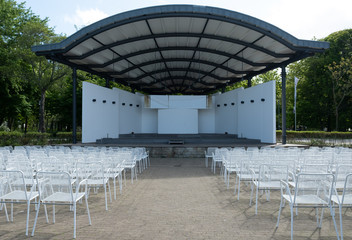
(176, 199)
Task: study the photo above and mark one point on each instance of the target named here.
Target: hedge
(314, 135)
(36, 138)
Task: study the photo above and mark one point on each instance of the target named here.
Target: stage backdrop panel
(100, 110)
(257, 112)
(178, 121)
(188, 102)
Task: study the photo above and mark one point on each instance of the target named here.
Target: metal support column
(107, 83)
(249, 82)
(74, 105)
(283, 98)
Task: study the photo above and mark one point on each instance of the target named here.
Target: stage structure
(248, 113)
(172, 50)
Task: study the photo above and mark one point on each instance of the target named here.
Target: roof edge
(164, 9)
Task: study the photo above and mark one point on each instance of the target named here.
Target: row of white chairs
(24, 173)
(283, 169)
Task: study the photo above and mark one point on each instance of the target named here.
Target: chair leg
(109, 190)
(256, 201)
(341, 229)
(321, 218)
(291, 207)
(251, 197)
(106, 198)
(228, 179)
(28, 208)
(136, 174)
(114, 180)
(11, 212)
(280, 209)
(36, 218)
(90, 221)
(46, 214)
(234, 191)
(239, 188)
(332, 212)
(6, 214)
(120, 181)
(74, 220)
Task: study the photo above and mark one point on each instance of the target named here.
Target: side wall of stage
(249, 113)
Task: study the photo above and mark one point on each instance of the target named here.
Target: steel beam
(283, 99)
(74, 105)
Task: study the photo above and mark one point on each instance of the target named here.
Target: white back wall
(149, 120)
(183, 102)
(226, 108)
(99, 119)
(178, 121)
(206, 119)
(130, 114)
(256, 118)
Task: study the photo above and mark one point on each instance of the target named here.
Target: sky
(304, 19)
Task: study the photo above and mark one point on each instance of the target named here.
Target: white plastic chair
(13, 189)
(311, 190)
(97, 176)
(115, 171)
(269, 178)
(209, 154)
(55, 188)
(129, 162)
(217, 158)
(344, 200)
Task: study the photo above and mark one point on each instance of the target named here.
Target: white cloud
(83, 18)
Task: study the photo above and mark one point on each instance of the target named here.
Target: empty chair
(55, 188)
(209, 154)
(269, 178)
(96, 175)
(311, 190)
(115, 170)
(344, 199)
(129, 162)
(13, 189)
(217, 158)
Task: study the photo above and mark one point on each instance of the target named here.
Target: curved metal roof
(179, 49)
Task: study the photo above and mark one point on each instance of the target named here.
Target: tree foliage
(316, 107)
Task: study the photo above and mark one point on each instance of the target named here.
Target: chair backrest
(342, 171)
(315, 168)
(314, 186)
(24, 166)
(50, 183)
(90, 170)
(13, 180)
(211, 150)
(347, 190)
(273, 173)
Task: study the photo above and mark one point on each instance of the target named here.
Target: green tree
(44, 73)
(14, 102)
(315, 93)
(341, 74)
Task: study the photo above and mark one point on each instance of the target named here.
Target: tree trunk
(42, 111)
(337, 119)
(26, 125)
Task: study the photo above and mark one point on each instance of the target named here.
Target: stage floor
(187, 140)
